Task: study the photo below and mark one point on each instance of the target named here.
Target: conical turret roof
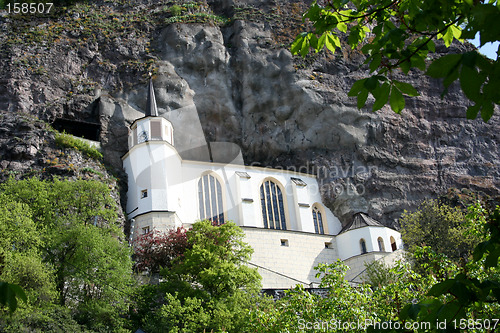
(151, 109)
(361, 220)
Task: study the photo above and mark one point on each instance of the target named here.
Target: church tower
(153, 167)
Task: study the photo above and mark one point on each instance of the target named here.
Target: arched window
(273, 210)
(318, 220)
(210, 199)
(394, 247)
(381, 246)
(362, 244)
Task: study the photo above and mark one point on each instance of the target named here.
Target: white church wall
(349, 242)
(287, 258)
(153, 167)
(242, 201)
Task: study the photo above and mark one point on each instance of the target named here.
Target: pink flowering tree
(156, 250)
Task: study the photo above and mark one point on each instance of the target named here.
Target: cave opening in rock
(82, 129)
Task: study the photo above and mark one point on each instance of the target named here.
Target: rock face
(238, 83)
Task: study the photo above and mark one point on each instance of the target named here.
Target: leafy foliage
(446, 230)
(156, 250)
(343, 304)
(61, 243)
(400, 35)
(378, 274)
(207, 287)
(472, 293)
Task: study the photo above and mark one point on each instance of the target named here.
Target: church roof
(151, 109)
(361, 220)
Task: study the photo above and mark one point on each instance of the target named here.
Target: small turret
(153, 168)
(151, 127)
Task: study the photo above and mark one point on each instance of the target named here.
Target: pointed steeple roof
(361, 220)
(151, 109)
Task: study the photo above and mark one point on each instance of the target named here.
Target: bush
(446, 230)
(175, 10)
(51, 319)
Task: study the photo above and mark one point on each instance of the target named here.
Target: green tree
(208, 287)
(21, 266)
(400, 35)
(67, 246)
(471, 298)
(446, 230)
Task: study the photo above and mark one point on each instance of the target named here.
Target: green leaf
(405, 66)
(441, 288)
(381, 94)
(367, 48)
(472, 112)
(313, 13)
(451, 78)
(331, 42)
(443, 66)
(431, 46)
(362, 96)
(469, 59)
(297, 44)
(9, 294)
(448, 311)
(406, 88)
(492, 258)
(456, 31)
(356, 88)
(342, 27)
(376, 60)
(305, 45)
(487, 111)
(418, 61)
(397, 101)
(321, 42)
(410, 311)
(447, 37)
(355, 36)
(19, 292)
(471, 83)
(371, 83)
(313, 41)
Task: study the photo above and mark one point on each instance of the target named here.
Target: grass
(194, 12)
(65, 140)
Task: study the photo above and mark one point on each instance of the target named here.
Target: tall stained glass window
(273, 210)
(318, 220)
(210, 199)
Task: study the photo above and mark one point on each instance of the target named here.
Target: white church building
(281, 212)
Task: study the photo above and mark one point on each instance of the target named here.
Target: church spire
(151, 109)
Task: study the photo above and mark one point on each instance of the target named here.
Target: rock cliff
(223, 73)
